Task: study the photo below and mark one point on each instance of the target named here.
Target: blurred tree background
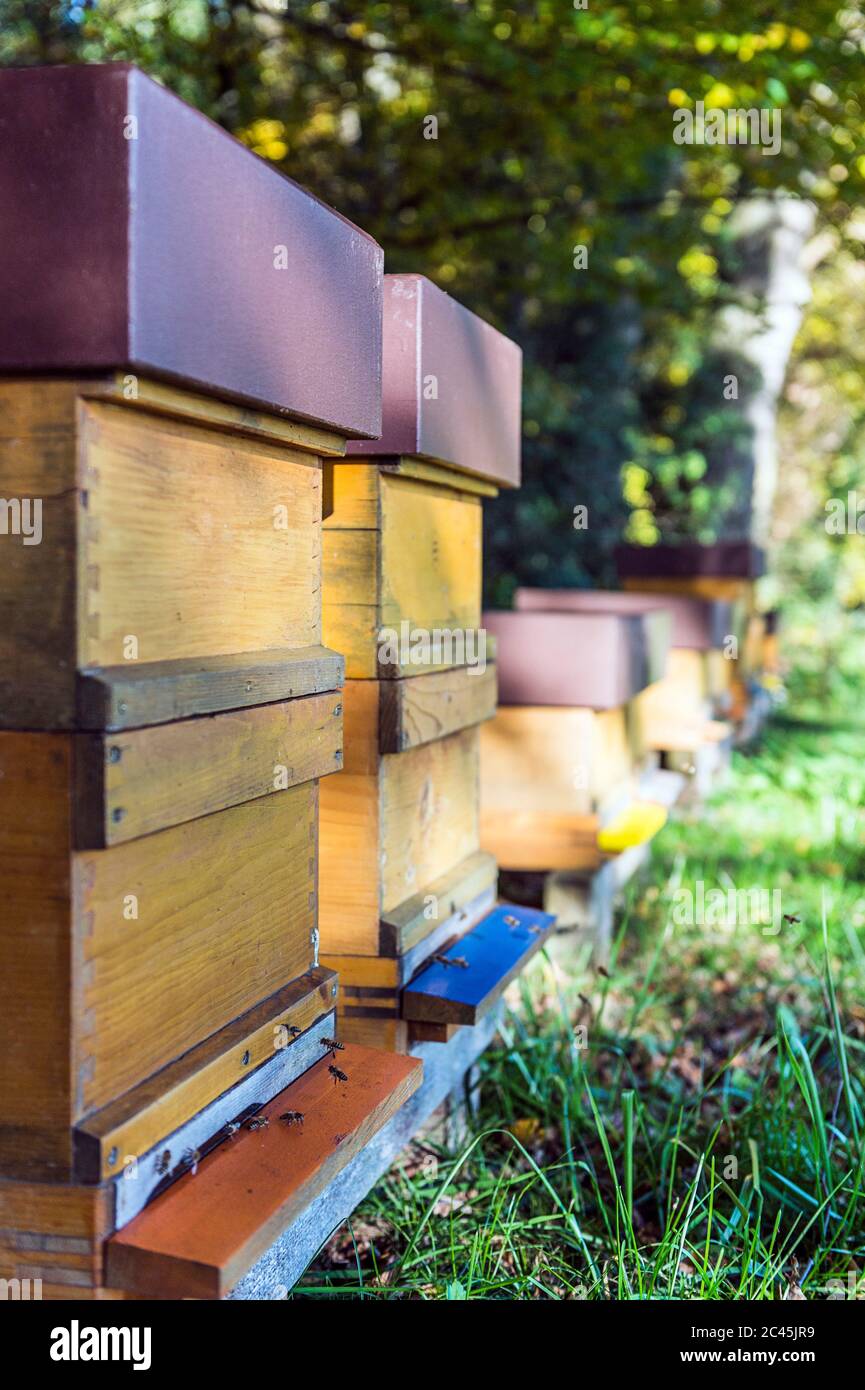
(638, 274)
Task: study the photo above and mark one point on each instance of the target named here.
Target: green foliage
(554, 132)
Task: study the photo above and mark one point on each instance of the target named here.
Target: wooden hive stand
(187, 337)
(408, 913)
(569, 786)
(680, 716)
(724, 572)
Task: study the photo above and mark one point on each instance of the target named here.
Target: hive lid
(698, 623)
(589, 660)
(451, 384)
(139, 234)
(723, 560)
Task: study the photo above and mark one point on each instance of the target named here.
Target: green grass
(688, 1125)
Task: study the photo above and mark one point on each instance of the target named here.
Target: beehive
(567, 778)
(187, 336)
(676, 716)
(403, 874)
(726, 570)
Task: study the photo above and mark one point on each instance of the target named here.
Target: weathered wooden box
(186, 337)
(726, 571)
(676, 713)
(565, 767)
(402, 872)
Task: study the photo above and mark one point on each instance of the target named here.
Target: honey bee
(294, 1030)
(231, 1128)
(332, 1045)
(511, 921)
(258, 1122)
(191, 1159)
(163, 1162)
(292, 1117)
(535, 929)
(337, 1075)
(791, 918)
(459, 961)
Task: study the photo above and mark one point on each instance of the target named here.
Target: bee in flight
(337, 1075)
(332, 1045)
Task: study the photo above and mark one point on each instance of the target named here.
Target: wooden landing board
(496, 950)
(443, 1072)
(209, 1229)
(139, 781)
(158, 692)
(419, 709)
(165, 1101)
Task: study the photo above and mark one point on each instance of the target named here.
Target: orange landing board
(205, 1232)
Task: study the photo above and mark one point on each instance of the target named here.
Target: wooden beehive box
(402, 869)
(677, 713)
(186, 337)
(726, 571)
(566, 775)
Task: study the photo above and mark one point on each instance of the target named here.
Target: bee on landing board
(258, 1122)
(337, 1075)
(163, 1162)
(292, 1117)
(459, 961)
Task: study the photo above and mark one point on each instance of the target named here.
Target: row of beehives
(231, 994)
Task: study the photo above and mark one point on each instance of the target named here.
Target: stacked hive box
(402, 870)
(726, 571)
(568, 783)
(186, 336)
(675, 716)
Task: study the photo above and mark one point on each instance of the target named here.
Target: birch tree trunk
(770, 290)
